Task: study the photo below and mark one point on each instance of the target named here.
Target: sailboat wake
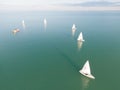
(68, 59)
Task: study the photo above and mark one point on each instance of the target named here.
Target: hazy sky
(46, 4)
(48, 1)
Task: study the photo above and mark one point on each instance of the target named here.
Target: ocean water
(48, 57)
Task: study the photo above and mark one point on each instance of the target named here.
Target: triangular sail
(80, 37)
(73, 27)
(86, 68)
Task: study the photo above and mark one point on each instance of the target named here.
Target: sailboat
(80, 37)
(86, 70)
(15, 31)
(45, 21)
(23, 24)
(73, 27)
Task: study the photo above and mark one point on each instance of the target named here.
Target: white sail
(45, 21)
(23, 24)
(73, 27)
(86, 70)
(80, 37)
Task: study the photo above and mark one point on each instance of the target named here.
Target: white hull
(80, 40)
(87, 75)
(15, 30)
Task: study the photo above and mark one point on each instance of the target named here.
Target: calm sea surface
(49, 57)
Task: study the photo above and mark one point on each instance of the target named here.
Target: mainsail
(80, 37)
(73, 27)
(86, 68)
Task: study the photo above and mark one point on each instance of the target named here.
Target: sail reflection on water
(85, 82)
(79, 43)
(73, 32)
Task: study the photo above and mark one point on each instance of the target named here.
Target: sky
(59, 5)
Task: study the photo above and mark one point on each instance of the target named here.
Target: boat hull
(80, 40)
(15, 30)
(87, 75)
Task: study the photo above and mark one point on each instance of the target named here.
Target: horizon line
(57, 7)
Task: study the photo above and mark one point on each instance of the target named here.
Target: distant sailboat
(86, 70)
(45, 21)
(80, 37)
(74, 27)
(23, 24)
(15, 31)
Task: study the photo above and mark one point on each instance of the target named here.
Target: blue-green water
(38, 58)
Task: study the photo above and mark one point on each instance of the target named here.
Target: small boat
(15, 30)
(86, 70)
(74, 27)
(80, 37)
